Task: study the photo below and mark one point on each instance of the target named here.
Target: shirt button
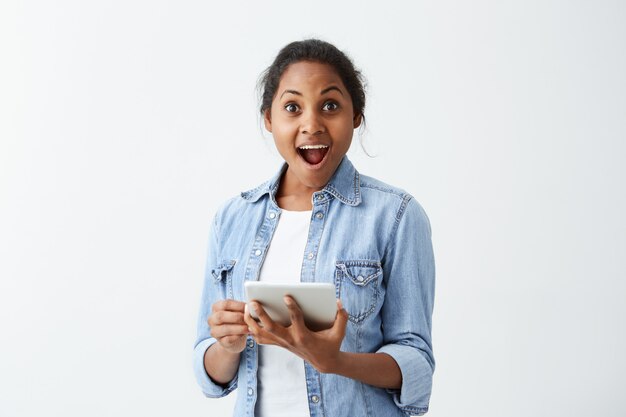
(257, 252)
(319, 215)
(360, 278)
(250, 392)
(250, 343)
(320, 196)
(310, 255)
(272, 215)
(315, 399)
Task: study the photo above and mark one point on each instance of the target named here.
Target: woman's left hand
(320, 349)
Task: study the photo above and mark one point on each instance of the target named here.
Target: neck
(292, 194)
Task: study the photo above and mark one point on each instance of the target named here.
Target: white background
(124, 124)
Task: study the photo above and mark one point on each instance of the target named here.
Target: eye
(334, 105)
(291, 106)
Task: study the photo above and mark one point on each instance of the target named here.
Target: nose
(312, 123)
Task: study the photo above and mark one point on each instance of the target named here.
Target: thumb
(342, 318)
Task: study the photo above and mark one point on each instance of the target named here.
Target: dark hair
(314, 50)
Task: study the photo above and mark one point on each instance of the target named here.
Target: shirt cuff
(417, 377)
(209, 387)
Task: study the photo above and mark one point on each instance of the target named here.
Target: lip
(319, 165)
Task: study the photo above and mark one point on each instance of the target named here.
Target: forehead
(305, 75)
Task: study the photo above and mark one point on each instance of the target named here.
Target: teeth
(313, 147)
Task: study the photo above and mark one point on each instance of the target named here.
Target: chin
(314, 182)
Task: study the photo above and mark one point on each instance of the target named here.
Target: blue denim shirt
(373, 242)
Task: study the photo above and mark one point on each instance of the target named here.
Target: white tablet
(316, 300)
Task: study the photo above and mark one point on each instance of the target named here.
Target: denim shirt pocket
(222, 278)
(357, 285)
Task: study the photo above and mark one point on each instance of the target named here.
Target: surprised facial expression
(312, 121)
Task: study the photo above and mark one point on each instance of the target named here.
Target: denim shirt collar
(343, 185)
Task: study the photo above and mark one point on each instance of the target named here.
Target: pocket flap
(360, 272)
(222, 269)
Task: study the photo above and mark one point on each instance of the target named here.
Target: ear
(267, 118)
(357, 120)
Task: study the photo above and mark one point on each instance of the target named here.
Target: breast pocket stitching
(357, 285)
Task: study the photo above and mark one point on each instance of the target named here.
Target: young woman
(319, 220)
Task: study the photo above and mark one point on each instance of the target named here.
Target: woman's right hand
(227, 325)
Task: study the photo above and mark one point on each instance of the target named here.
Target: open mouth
(313, 154)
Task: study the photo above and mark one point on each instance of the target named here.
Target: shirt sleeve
(409, 271)
(210, 295)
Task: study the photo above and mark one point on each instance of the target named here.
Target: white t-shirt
(281, 389)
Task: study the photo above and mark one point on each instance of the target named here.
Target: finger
(253, 326)
(258, 333)
(268, 324)
(295, 313)
(231, 342)
(226, 317)
(339, 305)
(228, 305)
(341, 320)
(229, 330)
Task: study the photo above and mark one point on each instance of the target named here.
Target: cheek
(284, 142)
(284, 134)
(282, 129)
(344, 131)
(283, 138)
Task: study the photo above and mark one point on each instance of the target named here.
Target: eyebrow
(324, 91)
